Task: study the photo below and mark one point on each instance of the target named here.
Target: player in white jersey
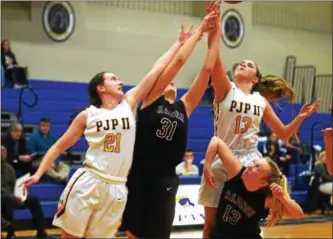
(93, 201)
(239, 107)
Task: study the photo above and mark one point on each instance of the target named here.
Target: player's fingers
(214, 182)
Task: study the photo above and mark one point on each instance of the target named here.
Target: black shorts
(150, 207)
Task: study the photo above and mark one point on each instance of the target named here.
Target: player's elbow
(59, 147)
(208, 67)
(284, 138)
(179, 60)
(283, 135)
(298, 214)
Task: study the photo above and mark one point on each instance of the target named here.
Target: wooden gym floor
(309, 230)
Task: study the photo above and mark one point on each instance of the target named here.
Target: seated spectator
(39, 143)
(273, 149)
(14, 73)
(321, 174)
(9, 201)
(4, 223)
(187, 168)
(15, 143)
(294, 147)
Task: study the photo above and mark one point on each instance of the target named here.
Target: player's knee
(130, 235)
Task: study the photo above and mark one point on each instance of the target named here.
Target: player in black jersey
(161, 142)
(249, 195)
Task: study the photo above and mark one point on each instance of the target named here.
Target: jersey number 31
(167, 130)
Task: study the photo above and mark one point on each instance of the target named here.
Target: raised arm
(140, 92)
(230, 162)
(284, 132)
(70, 137)
(280, 192)
(220, 79)
(176, 64)
(193, 96)
(328, 134)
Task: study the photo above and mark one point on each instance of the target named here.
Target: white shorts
(91, 206)
(208, 196)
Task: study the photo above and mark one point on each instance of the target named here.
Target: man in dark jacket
(17, 152)
(9, 201)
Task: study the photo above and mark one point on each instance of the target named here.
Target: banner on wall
(188, 212)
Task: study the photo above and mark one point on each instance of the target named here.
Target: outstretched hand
(212, 6)
(215, 7)
(185, 35)
(29, 181)
(209, 22)
(209, 177)
(308, 109)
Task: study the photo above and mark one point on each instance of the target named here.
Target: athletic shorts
(91, 206)
(209, 196)
(150, 209)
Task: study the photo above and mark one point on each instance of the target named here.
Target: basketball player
(93, 201)
(161, 143)
(249, 194)
(328, 133)
(239, 109)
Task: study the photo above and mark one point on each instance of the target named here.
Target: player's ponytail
(94, 98)
(277, 209)
(274, 88)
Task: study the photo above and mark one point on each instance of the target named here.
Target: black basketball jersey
(161, 138)
(239, 211)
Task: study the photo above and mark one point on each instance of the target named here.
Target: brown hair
(275, 88)
(277, 209)
(97, 80)
(272, 87)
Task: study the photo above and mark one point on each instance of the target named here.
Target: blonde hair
(277, 209)
(320, 157)
(275, 88)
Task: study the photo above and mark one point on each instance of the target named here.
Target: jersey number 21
(112, 143)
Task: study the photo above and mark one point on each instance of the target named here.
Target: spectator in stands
(187, 168)
(273, 149)
(294, 147)
(13, 72)
(4, 223)
(15, 143)
(321, 174)
(9, 201)
(39, 143)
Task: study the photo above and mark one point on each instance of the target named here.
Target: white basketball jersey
(111, 136)
(238, 118)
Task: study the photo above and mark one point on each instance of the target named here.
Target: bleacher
(57, 100)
